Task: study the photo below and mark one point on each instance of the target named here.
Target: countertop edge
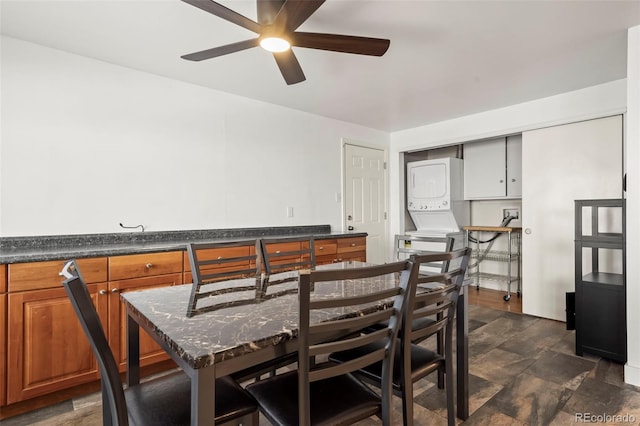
(9, 256)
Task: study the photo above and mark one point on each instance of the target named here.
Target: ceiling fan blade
(289, 67)
(225, 13)
(268, 10)
(221, 50)
(294, 13)
(341, 43)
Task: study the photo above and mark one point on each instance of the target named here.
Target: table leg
(133, 351)
(462, 356)
(203, 396)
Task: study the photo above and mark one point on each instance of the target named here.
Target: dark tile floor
(523, 371)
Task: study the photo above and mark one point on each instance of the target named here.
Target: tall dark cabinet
(600, 272)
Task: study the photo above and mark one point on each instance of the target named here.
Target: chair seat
(426, 361)
(167, 401)
(327, 407)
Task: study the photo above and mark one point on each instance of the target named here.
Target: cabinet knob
(513, 180)
(353, 244)
(528, 231)
(320, 248)
(277, 251)
(220, 257)
(102, 292)
(501, 180)
(148, 265)
(114, 290)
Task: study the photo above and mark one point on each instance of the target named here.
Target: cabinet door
(48, 350)
(514, 166)
(3, 349)
(485, 169)
(150, 352)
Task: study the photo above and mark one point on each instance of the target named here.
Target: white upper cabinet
(514, 166)
(493, 169)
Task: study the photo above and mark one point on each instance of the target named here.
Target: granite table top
(61, 247)
(233, 329)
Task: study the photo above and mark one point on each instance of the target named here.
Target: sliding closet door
(559, 165)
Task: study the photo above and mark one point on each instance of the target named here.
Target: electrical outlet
(511, 211)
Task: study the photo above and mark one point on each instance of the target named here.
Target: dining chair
(430, 312)
(335, 306)
(162, 401)
(283, 258)
(224, 267)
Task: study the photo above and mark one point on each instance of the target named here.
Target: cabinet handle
(320, 248)
(220, 257)
(114, 290)
(148, 265)
(353, 244)
(102, 292)
(277, 251)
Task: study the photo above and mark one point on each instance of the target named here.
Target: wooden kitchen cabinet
(132, 273)
(326, 251)
(353, 248)
(47, 349)
(3, 334)
(150, 352)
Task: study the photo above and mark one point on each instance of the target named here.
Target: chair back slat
(354, 300)
(347, 367)
(354, 314)
(357, 323)
(114, 403)
(214, 264)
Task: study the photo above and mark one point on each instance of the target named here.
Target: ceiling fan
(276, 29)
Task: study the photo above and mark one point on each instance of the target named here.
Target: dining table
(238, 330)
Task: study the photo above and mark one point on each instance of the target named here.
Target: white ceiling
(447, 58)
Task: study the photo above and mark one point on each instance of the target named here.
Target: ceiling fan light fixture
(275, 44)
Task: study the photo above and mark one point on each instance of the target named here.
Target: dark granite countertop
(60, 247)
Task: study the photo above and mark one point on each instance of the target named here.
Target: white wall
(87, 144)
(632, 369)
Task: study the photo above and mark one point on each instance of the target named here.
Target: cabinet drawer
(346, 245)
(143, 265)
(39, 275)
(325, 247)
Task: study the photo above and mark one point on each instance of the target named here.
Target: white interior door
(559, 165)
(365, 197)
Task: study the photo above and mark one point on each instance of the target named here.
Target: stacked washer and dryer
(435, 201)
